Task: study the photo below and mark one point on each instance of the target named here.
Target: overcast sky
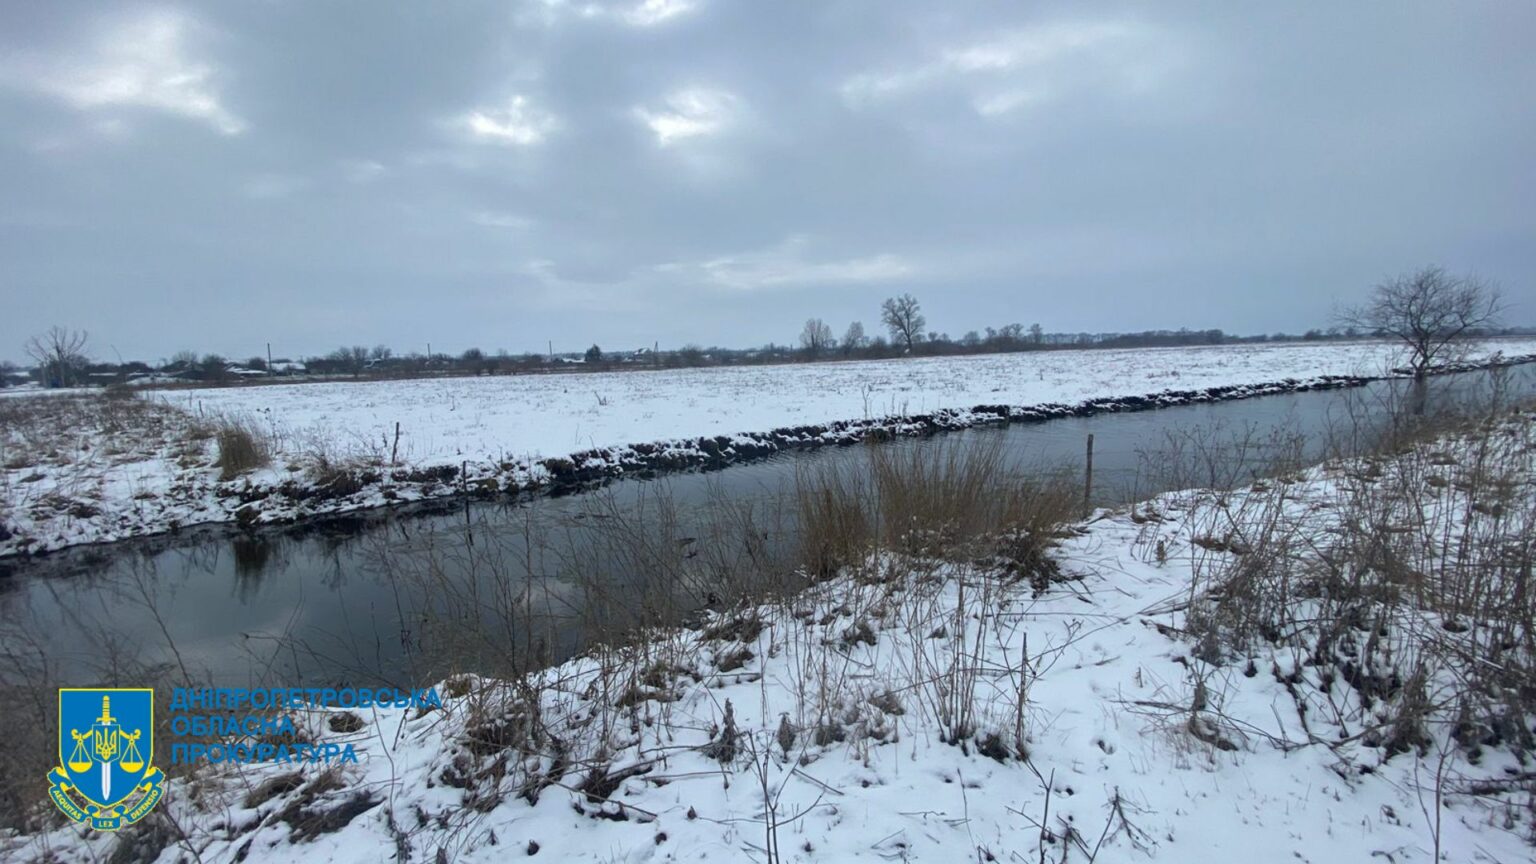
(217, 175)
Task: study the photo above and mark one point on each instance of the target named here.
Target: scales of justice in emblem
(106, 777)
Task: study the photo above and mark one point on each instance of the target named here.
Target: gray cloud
(219, 175)
(140, 60)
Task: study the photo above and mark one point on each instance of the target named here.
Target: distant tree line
(1432, 313)
(1471, 314)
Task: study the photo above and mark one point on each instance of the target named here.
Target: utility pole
(269, 359)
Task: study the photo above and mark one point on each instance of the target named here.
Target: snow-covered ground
(409, 440)
(445, 421)
(821, 728)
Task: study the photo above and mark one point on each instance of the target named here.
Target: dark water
(404, 596)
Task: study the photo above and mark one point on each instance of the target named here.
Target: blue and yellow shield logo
(106, 773)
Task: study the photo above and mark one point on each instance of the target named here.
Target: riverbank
(85, 470)
(1321, 666)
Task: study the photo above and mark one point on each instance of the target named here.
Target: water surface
(404, 596)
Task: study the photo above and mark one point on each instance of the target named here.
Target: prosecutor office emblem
(106, 774)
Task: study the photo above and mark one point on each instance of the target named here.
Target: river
(404, 596)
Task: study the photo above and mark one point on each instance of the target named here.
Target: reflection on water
(402, 597)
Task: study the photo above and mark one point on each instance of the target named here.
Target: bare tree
(903, 317)
(854, 338)
(349, 359)
(60, 354)
(1432, 312)
(816, 337)
(213, 367)
(473, 359)
(1036, 335)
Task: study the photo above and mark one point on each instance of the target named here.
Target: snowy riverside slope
(490, 435)
(815, 730)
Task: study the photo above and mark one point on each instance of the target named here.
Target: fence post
(1088, 479)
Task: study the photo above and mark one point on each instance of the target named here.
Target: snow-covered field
(448, 420)
(823, 728)
(100, 482)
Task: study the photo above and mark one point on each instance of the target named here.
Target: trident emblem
(104, 776)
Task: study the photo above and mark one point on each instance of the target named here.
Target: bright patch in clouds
(1005, 102)
(519, 124)
(652, 12)
(1030, 66)
(499, 219)
(690, 113)
(362, 170)
(146, 61)
(787, 265)
(642, 14)
(274, 186)
(1037, 46)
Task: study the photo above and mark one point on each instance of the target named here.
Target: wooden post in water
(1088, 479)
(469, 529)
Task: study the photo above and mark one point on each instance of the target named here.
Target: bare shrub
(333, 476)
(1406, 577)
(1220, 457)
(26, 755)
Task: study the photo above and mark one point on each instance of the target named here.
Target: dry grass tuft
(242, 448)
(931, 500)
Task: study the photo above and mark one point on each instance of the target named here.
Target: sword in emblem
(106, 746)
